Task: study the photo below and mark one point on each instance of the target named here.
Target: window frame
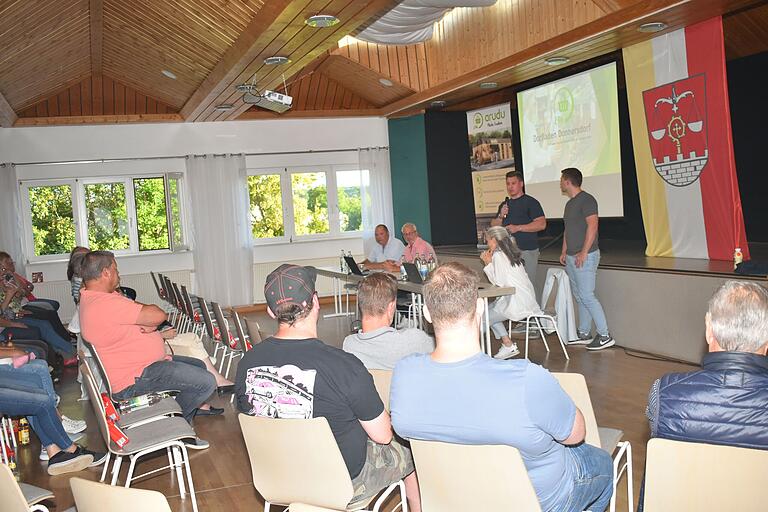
(286, 194)
(79, 212)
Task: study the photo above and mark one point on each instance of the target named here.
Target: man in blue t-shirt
(460, 395)
(523, 217)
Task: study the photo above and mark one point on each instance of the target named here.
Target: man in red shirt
(125, 335)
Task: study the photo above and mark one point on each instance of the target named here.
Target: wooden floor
(618, 386)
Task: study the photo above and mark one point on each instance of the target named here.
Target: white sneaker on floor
(73, 426)
(505, 352)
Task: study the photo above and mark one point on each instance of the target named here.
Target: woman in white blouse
(504, 267)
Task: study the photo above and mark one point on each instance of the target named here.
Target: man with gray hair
(726, 401)
(417, 246)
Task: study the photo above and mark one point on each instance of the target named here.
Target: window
(123, 215)
(53, 222)
(291, 204)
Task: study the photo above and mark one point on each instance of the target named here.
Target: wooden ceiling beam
(7, 115)
(250, 42)
(609, 33)
(102, 119)
(96, 14)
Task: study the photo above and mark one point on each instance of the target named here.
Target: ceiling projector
(269, 100)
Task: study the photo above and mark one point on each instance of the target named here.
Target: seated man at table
(379, 345)
(295, 375)
(460, 395)
(417, 246)
(386, 252)
(124, 333)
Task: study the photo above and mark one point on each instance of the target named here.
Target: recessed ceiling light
(557, 60)
(277, 59)
(488, 85)
(321, 20)
(386, 82)
(224, 107)
(438, 104)
(169, 74)
(653, 26)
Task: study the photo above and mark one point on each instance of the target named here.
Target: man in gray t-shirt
(378, 345)
(581, 257)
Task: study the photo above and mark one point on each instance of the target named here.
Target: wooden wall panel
(363, 81)
(393, 62)
(746, 32)
(96, 96)
(317, 91)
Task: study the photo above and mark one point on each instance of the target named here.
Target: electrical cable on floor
(643, 355)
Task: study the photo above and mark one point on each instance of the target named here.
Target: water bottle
(403, 273)
(738, 257)
(431, 263)
(423, 269)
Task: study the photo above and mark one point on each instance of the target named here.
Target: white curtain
(10, 216)
(379, 189)
(221, 232)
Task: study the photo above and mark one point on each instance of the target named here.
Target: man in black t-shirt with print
(295, 375)
(523, 217)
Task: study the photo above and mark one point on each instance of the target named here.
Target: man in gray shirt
(581, 257)
(378, 345)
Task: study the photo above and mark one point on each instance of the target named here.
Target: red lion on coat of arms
(676, 117)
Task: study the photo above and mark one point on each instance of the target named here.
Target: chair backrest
(95, 398)
(187, 302)
(382, 379)
(171, 292)
(296, 461)
(179, 300)
(102, 371)
(456, 477)
(222, 323)
(704, 477)
(157, 286)
(96, 497)
(552, 299)
(12, 498)
(207, 320)
(575, 386)
(241, 334)
(253, 329)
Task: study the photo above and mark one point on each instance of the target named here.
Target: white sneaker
(73, 426)
(505, 352)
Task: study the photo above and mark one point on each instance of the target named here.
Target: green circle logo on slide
(563, 104)
(478, 120)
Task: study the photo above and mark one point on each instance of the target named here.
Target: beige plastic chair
(704, 477)
(609, 439)
(95, 497)
(382, 379)
(299, 461)
(301, 507)
(12, 499)
(457, 478)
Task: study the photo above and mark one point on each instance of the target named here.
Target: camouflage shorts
(385, 464)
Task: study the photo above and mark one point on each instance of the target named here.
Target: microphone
(498, 212)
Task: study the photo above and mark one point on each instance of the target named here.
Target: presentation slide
(573, 122)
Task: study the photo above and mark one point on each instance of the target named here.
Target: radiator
(142, 283)
(324, 285)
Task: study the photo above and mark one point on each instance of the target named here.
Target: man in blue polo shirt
(523, 217)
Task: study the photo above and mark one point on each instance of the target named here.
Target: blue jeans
(593, 485)
(583, 287)
(24, 393)
(184, 374)
(49, 335)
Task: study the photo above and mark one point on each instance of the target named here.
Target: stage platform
(654, 305)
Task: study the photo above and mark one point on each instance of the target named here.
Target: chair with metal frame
(96, 497)
(535, 322)
(211, 330)
(164, 433)
(196, 321)
(14, 497)
(157, 286)
(455, 477)
(609, 439)
(235, 346)
(299, 461)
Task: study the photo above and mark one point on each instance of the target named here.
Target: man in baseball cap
(295, 375)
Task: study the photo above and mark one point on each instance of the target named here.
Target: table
(485, 292)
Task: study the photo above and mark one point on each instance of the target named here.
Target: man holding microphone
(523, 217)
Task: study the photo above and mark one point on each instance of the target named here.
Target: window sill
(307, 239)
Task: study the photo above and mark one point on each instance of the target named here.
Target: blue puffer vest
(726, 402)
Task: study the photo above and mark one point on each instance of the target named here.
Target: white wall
(65, 143)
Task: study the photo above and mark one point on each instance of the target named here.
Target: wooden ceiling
(101, 61)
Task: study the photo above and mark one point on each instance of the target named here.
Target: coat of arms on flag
(676, 117)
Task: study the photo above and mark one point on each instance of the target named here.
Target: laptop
(413, 273)
(354, 268)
